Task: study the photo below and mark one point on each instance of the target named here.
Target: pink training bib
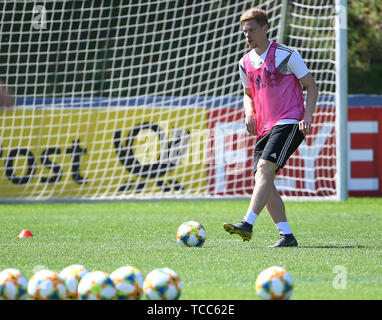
(276, 96)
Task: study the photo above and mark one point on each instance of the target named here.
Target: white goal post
(143, 100)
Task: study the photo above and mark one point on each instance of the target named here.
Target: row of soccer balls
(125, 283)
(77, 282)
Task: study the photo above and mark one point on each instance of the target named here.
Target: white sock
(283, 227)
(250, 217)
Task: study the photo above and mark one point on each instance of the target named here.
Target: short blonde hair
(257, 14)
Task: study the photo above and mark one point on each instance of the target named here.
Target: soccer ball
(72, 276)
(46, 285)
(274, 283)
(191, 234)
(162, 284)
(96, 285)
(13, 285)
(128, 282)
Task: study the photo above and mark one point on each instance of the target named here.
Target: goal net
(143, 99)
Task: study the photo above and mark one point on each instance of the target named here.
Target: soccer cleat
(286, 240)
(243, 229)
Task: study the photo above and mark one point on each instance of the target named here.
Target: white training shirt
(294, 64)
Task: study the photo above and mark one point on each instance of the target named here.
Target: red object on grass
(25, 234)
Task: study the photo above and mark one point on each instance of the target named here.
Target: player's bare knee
(266, 169)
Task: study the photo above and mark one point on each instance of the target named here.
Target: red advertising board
(365, 151)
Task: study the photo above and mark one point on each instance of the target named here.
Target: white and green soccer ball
(162, 284)
(274, 283)
(128, 282)
(13, 285)
(47, 285)
(191, 234)
(72, 276)
(96, 285)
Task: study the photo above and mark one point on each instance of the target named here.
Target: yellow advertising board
(100, 153)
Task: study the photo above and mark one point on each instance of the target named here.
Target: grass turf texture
(106, 236)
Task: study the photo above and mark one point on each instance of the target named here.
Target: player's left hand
(305, 125)
(7, 98)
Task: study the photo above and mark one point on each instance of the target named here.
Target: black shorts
(278, 144)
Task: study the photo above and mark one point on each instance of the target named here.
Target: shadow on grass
(339, 247)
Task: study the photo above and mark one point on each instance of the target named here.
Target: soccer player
(272, 75)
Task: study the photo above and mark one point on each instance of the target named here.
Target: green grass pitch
(105, 236)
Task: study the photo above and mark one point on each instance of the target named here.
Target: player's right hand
(250, 123)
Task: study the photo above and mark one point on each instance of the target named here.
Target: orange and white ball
(96, 285)
(274, 283)
(13, 285)
(72, 275)
(47, 285)
(162, 284)
(191, 234)
(128, 282)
